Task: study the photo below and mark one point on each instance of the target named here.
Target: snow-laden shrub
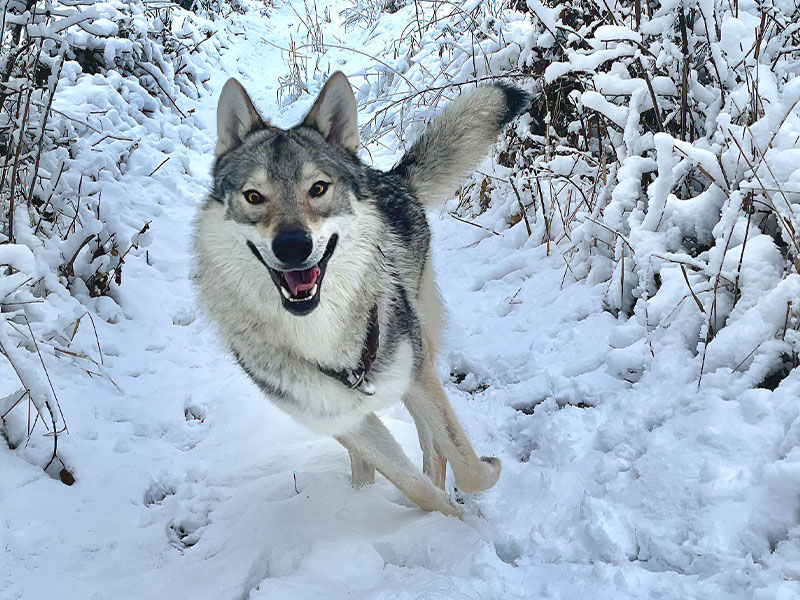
(367, 12)
(444, 49)
(79, 82)
(694, 227)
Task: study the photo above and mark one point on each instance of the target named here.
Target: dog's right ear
(236, 117)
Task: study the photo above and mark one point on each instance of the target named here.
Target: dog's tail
(458, 138)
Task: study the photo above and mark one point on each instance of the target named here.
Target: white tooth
(286, 293)
(314, 290)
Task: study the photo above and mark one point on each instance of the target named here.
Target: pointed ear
(236, 117)
(334, 113)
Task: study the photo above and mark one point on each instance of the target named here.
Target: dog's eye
(319, 188)
(253, 197)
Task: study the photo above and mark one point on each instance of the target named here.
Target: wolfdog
(317, 272)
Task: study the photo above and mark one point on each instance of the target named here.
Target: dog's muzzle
(299, 288)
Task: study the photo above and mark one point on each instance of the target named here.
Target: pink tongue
(301, 281)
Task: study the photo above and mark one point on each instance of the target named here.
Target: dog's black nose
(292, 246)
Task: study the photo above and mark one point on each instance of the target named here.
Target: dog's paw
(428, 497)
(481, 477)
(491, 471)
(450, 508)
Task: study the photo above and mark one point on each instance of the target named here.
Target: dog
(316, 270)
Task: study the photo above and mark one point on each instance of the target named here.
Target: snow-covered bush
(80, 83)
(693, 222)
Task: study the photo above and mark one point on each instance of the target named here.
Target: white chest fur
(324, 404)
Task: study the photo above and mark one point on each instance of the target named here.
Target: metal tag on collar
(366, 388)
(356, 380)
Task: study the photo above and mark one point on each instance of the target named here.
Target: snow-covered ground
(621, 479)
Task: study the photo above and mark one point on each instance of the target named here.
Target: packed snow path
(191, 485)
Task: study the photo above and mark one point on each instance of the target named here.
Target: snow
(17, 256)
(612, 33)
(596, 101)
(625, 473)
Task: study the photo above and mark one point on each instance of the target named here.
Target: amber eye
(253, 197)
(319, 188)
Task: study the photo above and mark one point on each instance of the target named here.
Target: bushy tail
(458, 139)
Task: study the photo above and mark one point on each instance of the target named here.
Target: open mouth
(299, 289)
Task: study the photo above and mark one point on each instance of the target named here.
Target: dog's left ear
(334, 113)
(236, 117)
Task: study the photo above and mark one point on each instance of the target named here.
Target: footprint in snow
(185, 531)
(193, 411)
(183, 318)
(157, 493)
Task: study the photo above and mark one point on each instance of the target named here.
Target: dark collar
(356, 379)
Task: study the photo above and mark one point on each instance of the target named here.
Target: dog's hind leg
(434, 463)
(375, 444)
(362, 473)
(428, 400)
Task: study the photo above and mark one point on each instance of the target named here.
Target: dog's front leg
(373, 443)
(361, 472)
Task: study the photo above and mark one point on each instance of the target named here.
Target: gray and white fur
(300, 242)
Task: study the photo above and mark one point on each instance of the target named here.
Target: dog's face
(289, 193)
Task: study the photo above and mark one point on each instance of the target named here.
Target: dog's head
(289, 192)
